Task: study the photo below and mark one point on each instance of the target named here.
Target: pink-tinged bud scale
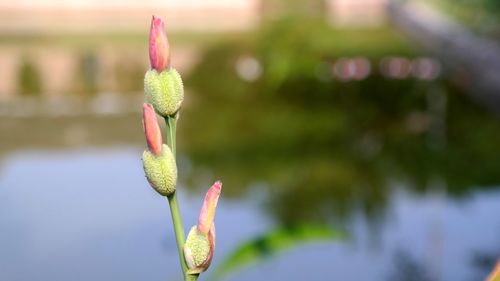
(159, 49)
(207, 213)
(495, 274)
(151, 129)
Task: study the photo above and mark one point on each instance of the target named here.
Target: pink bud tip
(207, 213)
(151, 129)
(159, 50)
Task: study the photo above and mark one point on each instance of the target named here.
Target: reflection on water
(87, 214)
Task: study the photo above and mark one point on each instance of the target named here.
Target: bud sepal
(164, 90)
(151, 129)
(161, 170)
(199, 249)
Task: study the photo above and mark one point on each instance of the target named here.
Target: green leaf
(273, 243)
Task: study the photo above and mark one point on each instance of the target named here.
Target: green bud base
(161, 170)
(197, 251)
(164, 91)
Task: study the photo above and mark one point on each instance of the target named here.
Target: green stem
(179, 233)
(172, 126)
(174, 205)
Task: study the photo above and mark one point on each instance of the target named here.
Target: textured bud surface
(198, 250)
(161, 170)
(164, 91)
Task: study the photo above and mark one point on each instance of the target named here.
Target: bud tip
(207, 213)
(159, 50)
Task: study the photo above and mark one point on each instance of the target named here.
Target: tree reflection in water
(328, 149)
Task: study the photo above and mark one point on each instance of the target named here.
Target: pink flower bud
(200, 243)
(207, 213)
(159, 50)
(151, 129)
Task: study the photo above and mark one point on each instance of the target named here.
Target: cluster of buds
(164, 95)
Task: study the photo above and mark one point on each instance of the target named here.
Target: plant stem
(178, 229)
(174, 205)
(172, 126)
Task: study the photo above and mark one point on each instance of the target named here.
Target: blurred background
(356, 139)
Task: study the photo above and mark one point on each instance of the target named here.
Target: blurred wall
(357, 12)
(129, 15)
(54, 68)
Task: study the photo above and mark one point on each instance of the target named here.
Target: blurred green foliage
(483, 16)
(492, 7)
(131, 75)
(327, 147)
(290, 51)
(29, 78)
(86, 82)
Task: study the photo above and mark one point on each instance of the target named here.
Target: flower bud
(161, 170)
(151, 129)
(159, 49)
(200, 243)
(164, 90)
